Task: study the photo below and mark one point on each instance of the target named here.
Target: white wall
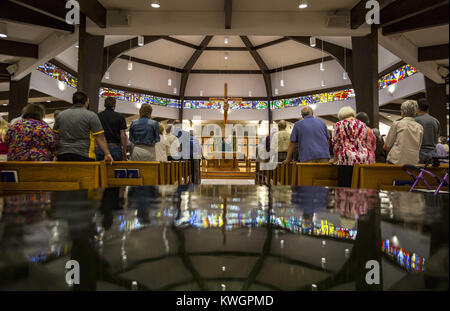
(133, 108)
(404, 88)
(238, 85)
(309, 78)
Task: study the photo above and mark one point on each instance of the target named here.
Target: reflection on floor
(228, 181)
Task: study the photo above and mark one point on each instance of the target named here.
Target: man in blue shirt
(311, 135)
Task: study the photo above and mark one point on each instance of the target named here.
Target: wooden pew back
(316, 174)
(52, 176)
(382, 177)
(149, 174)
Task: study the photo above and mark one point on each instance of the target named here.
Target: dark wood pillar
(90, 64)
(365, 75)
(18, 96)
(437, 99)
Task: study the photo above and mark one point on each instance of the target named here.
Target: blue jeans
(116, 153)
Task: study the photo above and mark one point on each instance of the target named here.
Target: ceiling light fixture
(250, 94)
(169, 82)
(155, 4)
(77, 45)
(141, 40)
(129, 83)
(276, 91)
(312, 42)
(175, 90)
(61, 86)
(3, 30)
(282, 83)
(107, 63)
(322, 67)
(225, 55)
(107, 75)
(392, 88)
(322, 83)
(201, 93)
(130, 65)
(225, 40)
(303, 4)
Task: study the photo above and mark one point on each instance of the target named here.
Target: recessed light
(303, 4)
(3, 30)
(155, 4)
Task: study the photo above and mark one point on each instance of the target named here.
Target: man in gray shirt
(78, 130)
(431, 132)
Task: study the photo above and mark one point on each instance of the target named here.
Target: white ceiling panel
(232, 41)
(27, 33)
(191, 39)
(164, 52)
(237, 60)
(428, 36)
(288, 53)
(258, 40)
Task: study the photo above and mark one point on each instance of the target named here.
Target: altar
(223, 161)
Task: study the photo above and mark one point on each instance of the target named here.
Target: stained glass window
(395, 76)
(314, 99)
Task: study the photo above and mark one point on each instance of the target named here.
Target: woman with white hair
(3, 146)
(404, 139)
(350, 145)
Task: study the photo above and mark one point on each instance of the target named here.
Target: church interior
(232, 75)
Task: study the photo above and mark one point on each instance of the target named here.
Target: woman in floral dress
(31, 139)
(351, 145)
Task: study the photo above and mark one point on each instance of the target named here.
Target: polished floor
(225, 237)
(227, 181)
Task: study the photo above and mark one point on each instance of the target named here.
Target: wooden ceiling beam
(18, 13)
(359, 11)
(228, 8)
(270, 43)
(19, 49)
(261, 64)
(95, 11)
(401, 10)
(431, 18)
(435, 52)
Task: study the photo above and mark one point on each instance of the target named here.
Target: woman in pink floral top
(31, 139)
(352, 144)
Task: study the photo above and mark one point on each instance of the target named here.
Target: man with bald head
(311, 135)
(282, 137)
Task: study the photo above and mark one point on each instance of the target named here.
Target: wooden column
(90, 64)
(365, 75)
(437, 98)
(18, 96)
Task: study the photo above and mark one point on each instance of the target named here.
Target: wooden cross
(226, 105)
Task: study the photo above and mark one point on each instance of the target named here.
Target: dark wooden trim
(19, 49)
(139, 91)
(55, 9)
(228, 72)
(226, 48)
(401, 10)
(150, 63)
(181, 42)
(228, 8)
(391, 69)
(188, 67)
(433, 52)
(18, 13)
(303, 64)
(18, 96)
(319, 91)
(432, 18)
(261, 64)
(359, 11)
(270, 43)
(94, 10)
(3, 71)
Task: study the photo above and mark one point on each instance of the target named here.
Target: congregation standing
(79, 134)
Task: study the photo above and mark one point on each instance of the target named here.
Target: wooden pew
(382, 176)
(149, 174)
(316, 174)
(52, 176)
